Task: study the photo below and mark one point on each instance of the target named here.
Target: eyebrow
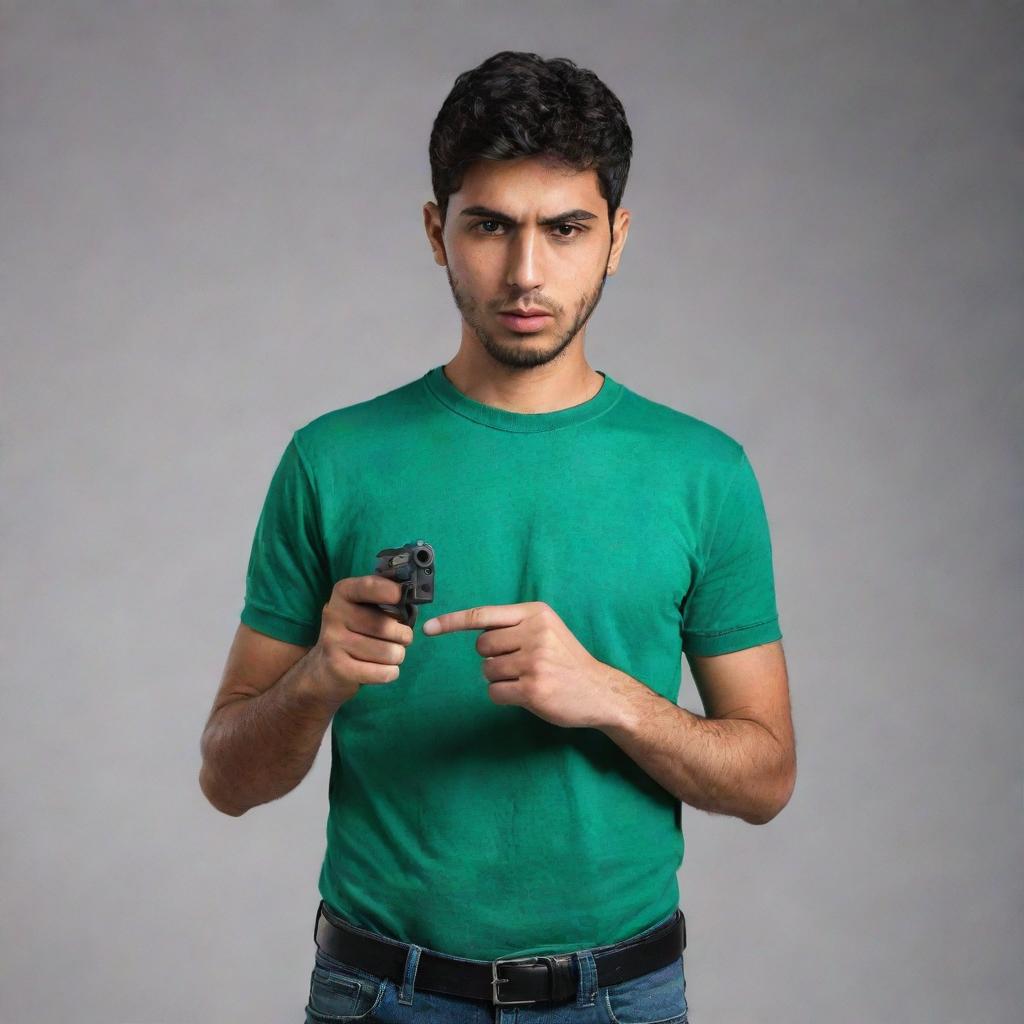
(484, 211)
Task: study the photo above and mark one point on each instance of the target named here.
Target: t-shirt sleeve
(732, 603)
(288, 579)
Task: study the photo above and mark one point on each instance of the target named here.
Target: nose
(524, 262)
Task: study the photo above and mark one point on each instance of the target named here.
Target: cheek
(474, 274)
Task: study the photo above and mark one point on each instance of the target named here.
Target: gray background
(212, 234)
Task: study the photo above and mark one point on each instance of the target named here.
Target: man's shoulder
(699, 438)
(357, 421)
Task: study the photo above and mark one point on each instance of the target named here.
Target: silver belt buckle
(495, 980)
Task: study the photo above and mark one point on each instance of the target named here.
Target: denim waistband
(333, 915)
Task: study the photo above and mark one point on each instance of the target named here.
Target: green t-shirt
(477, 829)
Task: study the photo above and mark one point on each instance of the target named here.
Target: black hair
(518, 104)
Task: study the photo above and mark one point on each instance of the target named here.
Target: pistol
(412, 565)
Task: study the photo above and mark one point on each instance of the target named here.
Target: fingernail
(430, 626)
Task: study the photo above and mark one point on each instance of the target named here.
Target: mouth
(529, 323)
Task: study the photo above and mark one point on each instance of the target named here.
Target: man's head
(521, 140)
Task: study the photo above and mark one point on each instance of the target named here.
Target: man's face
(498, 257)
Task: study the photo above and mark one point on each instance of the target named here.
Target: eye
(576, 228)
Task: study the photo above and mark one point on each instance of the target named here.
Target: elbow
(782, 797)
(209, 791)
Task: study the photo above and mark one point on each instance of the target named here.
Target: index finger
(373, 589)
(487, 616)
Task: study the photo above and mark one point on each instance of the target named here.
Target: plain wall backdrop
(212, 233)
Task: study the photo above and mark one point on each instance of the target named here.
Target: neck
(529, 389)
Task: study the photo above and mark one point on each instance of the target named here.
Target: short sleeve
(288, 579)
(732, 604)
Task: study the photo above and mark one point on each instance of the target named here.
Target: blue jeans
(342, 992)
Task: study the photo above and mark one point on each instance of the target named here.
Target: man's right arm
(276, 699)
(267, 722)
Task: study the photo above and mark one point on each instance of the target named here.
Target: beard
(522, 350)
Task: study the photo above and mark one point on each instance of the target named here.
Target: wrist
(315, 687)
(618, 711)
(629, 702)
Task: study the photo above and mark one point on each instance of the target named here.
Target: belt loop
(316, 922)
(586, 986)
(412, 962)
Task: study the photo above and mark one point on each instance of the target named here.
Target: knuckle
(332, 635)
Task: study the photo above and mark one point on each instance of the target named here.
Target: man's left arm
(740, 760)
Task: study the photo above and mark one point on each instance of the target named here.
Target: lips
(525, 322)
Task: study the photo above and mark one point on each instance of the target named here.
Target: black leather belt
(526, 979)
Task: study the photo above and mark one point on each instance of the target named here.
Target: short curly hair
(518, 104)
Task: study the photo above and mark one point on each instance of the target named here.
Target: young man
(505, 790)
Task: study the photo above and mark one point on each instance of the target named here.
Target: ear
(435, 232)
(620, 229)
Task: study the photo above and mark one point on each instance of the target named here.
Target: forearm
(256, 749)
(729, 766)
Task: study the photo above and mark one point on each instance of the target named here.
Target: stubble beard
(522, 350)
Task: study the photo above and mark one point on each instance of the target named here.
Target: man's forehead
(528, 187)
